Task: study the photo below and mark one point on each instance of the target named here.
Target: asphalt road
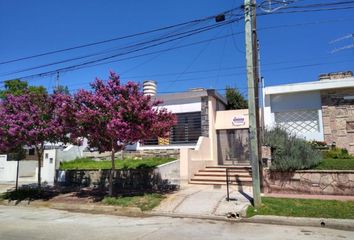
(41, 223)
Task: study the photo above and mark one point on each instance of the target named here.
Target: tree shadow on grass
(93, 184)
(30, 193)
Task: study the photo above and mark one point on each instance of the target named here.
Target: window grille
(186, 131)
(298, 121)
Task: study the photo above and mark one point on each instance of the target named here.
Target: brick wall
(337, 113)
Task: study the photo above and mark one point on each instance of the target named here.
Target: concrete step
(223, 178)
(197, 182)
(226, 166)
(217, 174)
(219, 170)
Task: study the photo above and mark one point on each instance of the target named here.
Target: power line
(113, 39)
(307, 11)
(204, 78)
(170, 39)
(95, 62)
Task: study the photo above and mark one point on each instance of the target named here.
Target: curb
(84, 208)
(340, 224)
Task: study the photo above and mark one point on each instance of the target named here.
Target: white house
(321, 110)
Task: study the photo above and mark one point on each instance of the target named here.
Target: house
(205, 134)
(321, 110)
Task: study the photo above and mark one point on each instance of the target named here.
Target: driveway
(205, 201)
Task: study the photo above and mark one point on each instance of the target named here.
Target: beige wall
(224, 119)
(212, 108)
(191, 161)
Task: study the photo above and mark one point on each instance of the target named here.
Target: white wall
(48, 168)
(70, 153)
(8, 169)
(301, 101)
(183, 108)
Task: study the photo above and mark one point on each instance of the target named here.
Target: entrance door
(233, 147)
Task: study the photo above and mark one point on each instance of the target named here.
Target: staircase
(216, 175)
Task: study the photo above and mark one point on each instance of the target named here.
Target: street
(42, 223)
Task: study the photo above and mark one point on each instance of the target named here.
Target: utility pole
(57, 82)
(253, 100)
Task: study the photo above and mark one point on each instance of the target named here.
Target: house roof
(193, 94)
(310, 86)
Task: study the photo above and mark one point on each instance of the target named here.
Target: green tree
(235, 100)
(17, 87)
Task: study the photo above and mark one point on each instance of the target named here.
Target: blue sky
(293, 47)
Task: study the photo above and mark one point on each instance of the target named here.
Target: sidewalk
(193, 201)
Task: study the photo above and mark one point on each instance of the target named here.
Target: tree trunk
(39, 154)
(111, 174)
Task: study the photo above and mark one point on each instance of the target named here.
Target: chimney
(149, 88)
(336, 75)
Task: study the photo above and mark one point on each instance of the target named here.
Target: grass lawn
(336, 164)
(89, 164)
(145, 202)
(304, 208)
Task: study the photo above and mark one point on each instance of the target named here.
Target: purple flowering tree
(114, 115)
(31, 119)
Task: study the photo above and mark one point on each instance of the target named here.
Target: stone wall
(172, 153)
(338, 113)
(162, 178)
(332, 182)
(205, 117)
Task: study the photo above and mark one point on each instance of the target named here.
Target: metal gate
(233, 147)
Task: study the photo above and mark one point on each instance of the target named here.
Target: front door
(233, 147)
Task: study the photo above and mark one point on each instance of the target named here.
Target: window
(186, 131)
(46, 156)
(298, 121)
(31, 152)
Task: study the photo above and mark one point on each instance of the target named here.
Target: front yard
(90, 164)
(336, 164)
(304, 208)
(145, 202)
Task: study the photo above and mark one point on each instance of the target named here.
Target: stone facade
(337, 114)
(172, 153)
(205, 117)
(162, 178)
(334, 182)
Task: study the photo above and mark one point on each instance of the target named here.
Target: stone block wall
(205, 117)
(172, 153)
(333, 182)
(162, 178)
(337, 113)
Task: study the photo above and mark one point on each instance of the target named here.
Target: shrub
(290, 153)
(319, 144)
(337, 153)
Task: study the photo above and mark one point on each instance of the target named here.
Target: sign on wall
(238, 120)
